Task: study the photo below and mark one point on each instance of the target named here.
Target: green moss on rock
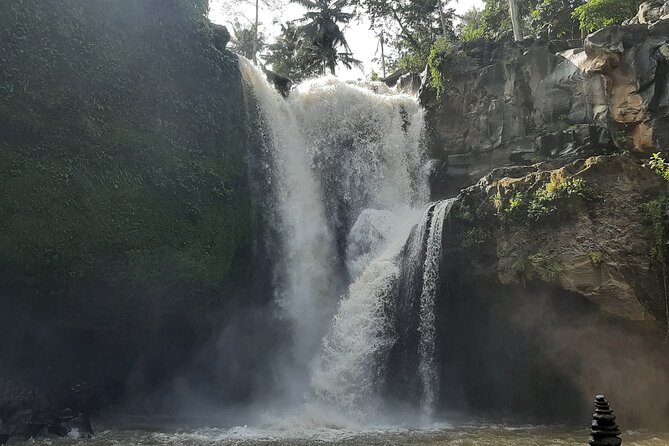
(122, 159)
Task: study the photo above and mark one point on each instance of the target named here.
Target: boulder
(281, 83)
(66, 423)
(4, 433)
(18, 425)
(651, 11)
(221, 36)
(14, 397)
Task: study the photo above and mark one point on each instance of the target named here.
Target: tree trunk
(255, 35)
(443, 19)
(514, 12)
(383, 56)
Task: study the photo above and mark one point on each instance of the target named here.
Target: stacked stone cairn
(604, 431)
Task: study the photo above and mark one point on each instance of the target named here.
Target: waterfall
(305, 278)
(346, 203)
(427, 328)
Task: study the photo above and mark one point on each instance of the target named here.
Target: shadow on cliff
(536, 354)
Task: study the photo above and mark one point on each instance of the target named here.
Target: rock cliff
(556, 284)
(517, 103)
(588, 227)
(125, 211)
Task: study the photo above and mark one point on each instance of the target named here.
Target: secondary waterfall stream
(344, 198)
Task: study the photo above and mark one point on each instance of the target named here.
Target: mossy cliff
(124, 208)
(586, 228)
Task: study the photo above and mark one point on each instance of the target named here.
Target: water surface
(466, 435)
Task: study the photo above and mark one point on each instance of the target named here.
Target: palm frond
(306, 3)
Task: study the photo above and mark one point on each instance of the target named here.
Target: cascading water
(342, 166)
(305, 284)
(427, 327)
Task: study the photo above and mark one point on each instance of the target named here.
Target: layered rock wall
(517, 103)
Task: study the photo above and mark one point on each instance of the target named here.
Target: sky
(363, 42)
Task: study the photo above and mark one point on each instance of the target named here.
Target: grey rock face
(517, 103)
(221, 36)
(650, 12)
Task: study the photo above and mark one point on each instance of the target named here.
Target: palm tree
(324, 37)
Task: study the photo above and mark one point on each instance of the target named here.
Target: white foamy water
(347, 188)
(427, 328)
(305, 288)
(480, 435)
(348, 373)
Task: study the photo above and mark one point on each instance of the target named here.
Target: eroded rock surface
(514, 103)
(595, 237)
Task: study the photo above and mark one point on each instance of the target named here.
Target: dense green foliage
(658, 165)
(410, 27)
(444, 59)
(554, 19)
(323, 41)
(471, 25)
(122, 159)
(314, 44)
(551, 19)
(288, 55)
(554, 199)
(595, 14)
(243, 38)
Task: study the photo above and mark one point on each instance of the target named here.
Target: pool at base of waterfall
(468, 434)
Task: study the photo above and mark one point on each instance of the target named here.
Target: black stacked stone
(604, 431)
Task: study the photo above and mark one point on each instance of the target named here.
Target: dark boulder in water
(18, 425)
(4, 433)
(68, 422)
(281, 83)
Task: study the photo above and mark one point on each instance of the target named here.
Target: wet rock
(409, 83)
(15, 396)
(81, 424)
(68, 422)
(221, 36)
(281, 83)
(18, 425)
(604, 430)
(4, 433)
(84, 398)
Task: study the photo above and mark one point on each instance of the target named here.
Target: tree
(322, 38)
(244, 40)
(411, 28)
(554, 19)
(249, 11)
(516, 24)
(596, 14)
(471, 25)
(288, 57)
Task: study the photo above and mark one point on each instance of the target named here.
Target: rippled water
(480, 435)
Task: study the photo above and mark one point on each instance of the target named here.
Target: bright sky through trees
(363, 42)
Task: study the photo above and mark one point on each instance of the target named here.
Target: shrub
(658, 165)
(553, 197)
(596, 14)
(653, 212)
(443, 61)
